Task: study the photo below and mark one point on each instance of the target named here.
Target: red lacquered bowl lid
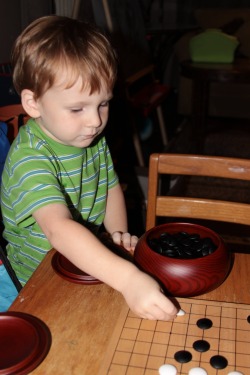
(64, 268)
(24, 342)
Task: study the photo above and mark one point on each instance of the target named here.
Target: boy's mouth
(90, 136)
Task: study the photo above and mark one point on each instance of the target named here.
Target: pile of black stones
(182, 245)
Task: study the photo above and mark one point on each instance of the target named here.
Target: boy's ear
(29, 103)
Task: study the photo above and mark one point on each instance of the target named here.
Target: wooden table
(202, 75)
(82, 318)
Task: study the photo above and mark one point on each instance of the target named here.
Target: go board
(141, 347)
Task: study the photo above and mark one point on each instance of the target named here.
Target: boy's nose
(94, 120)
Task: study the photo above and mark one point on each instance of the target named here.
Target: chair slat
(196, 208)
(204, 209)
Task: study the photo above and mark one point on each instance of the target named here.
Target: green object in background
(213, 46)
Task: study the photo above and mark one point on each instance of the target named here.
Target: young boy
(59, 183)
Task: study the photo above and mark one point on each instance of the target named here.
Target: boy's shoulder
(28, 136)
(30, 144)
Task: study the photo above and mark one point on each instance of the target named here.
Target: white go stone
(197, 371)
(168, 370)
(235, 373)
(181, 313)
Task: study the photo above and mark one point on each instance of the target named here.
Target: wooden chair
(145, 96)
(160, 205)
(15, 116)
(125, 22)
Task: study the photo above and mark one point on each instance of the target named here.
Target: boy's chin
(85, 142)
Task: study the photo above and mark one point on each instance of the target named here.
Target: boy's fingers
(134, 240)
(157, 313)
(125, 239)
(129, 241)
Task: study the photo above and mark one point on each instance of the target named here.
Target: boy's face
(72, 116)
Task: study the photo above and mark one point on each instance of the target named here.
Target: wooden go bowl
(184, 277)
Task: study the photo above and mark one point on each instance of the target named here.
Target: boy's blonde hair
(52, 43)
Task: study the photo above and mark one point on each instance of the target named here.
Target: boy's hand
(125, 239)
(145, 299)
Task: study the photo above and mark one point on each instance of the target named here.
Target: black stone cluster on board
(217, 361)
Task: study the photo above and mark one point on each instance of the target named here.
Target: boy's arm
(116, 215)
(115, 221)
(83, 249)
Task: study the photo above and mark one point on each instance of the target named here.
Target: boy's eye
(104, 104)
(74, 110)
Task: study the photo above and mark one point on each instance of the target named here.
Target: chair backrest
(15, 116)
(189, 207)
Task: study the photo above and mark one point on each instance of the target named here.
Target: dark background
(144, 31)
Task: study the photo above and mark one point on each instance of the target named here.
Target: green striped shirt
(39, 171)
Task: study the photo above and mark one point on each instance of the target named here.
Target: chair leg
(10, 270)
(162, 125)
(138, 150)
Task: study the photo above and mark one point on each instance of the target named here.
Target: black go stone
(183, 356)
(182, 245)
(248, 319)
(201, 346)
(204, 323)
(218, 361)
